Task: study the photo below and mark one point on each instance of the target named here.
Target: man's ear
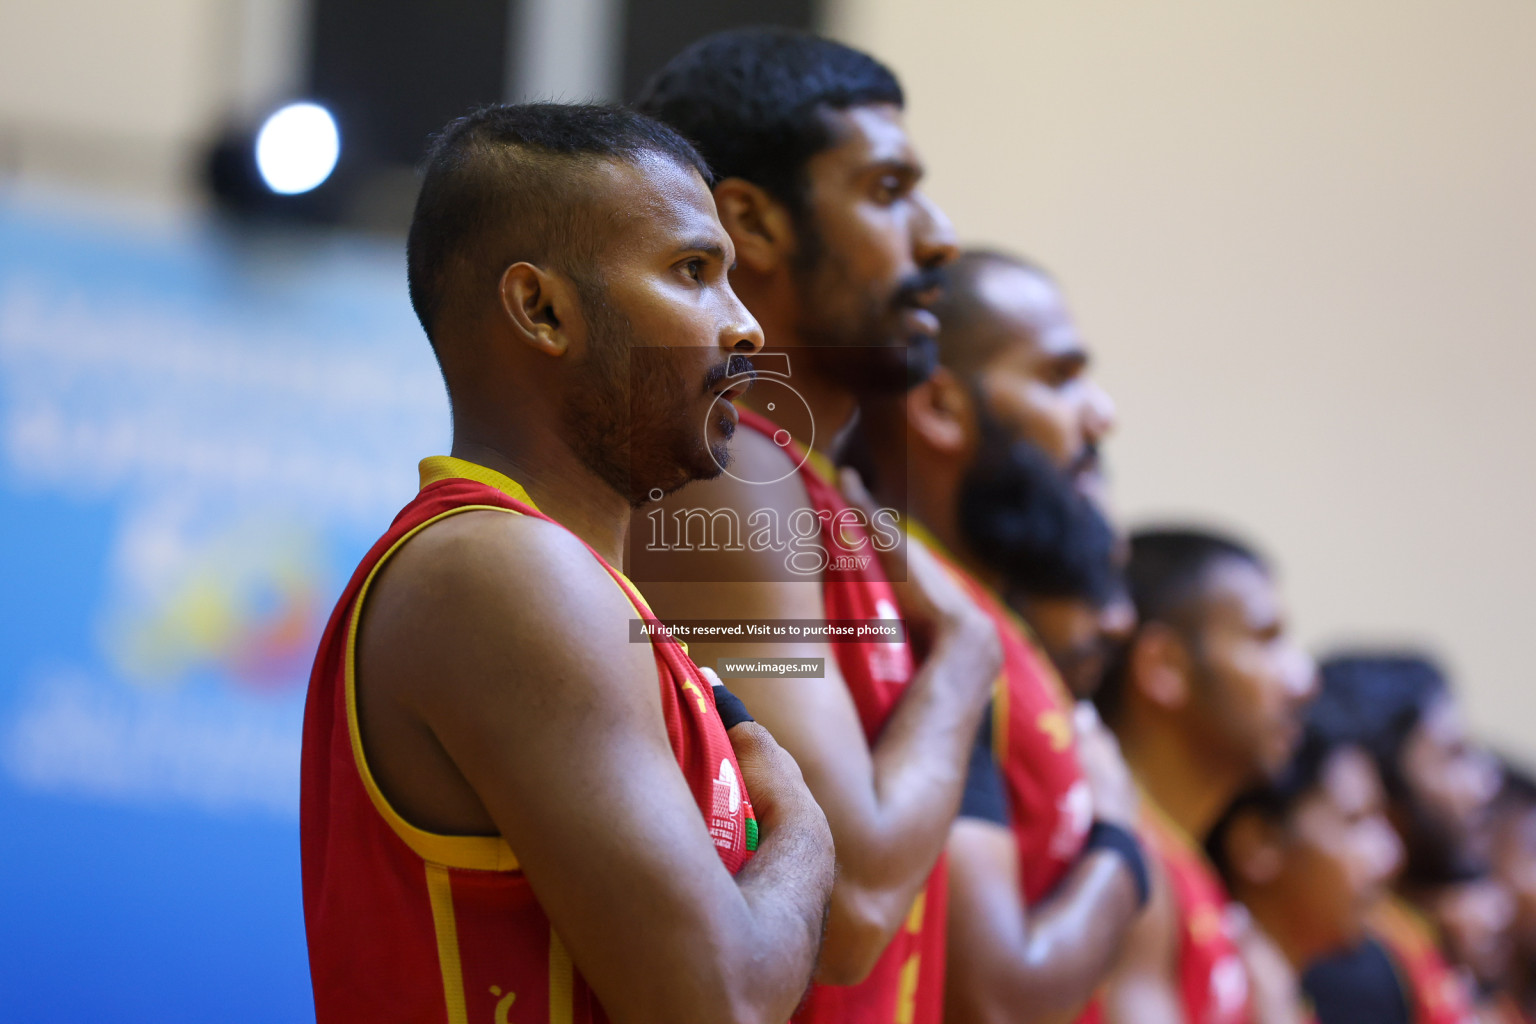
(1254, 848)
(1160, 666)
(540, 308)
(939, 415)
(759, 225)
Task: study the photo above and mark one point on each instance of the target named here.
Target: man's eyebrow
(1075, 355)
(906, 166)
(707, 246)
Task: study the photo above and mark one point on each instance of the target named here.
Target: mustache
(921, 288)
(736, 366)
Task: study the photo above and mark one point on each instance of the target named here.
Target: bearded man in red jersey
(999, 453)
(838, 249)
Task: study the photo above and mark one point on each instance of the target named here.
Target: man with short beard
(836, 252)
(1206, 699)
(505, 800)
(998, 450)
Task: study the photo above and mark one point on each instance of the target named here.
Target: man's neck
(1189, 785)
(560, 485)
(1271, 909)
(832, 403)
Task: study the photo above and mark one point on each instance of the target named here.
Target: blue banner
(201, 432)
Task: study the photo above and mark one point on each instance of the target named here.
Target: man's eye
(694, 269)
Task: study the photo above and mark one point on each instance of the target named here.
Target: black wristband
(1106, 836)
(732, 711)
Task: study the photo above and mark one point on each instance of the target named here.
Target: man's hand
(774, 781)
(1114, 792)
(890, 801)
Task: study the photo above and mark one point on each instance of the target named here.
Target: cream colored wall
(125, 96)
(1302, 239)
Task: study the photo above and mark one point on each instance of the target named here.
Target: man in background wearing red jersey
(1207, 699)
(1000, 452)
(838, 250)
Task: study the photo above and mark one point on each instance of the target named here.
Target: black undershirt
(984, 797)
(1359, 986)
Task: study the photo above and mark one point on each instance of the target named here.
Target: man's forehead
(872, 133)
(1028, 307)
(1238, 585)
(1350, 776)
(655, 198)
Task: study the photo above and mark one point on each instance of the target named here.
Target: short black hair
(503, 184)
(752, 101)
(1167, 572)
(1332, 724)
(1390, 692)
(965, 343)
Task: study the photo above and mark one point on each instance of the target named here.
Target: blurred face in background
(1340, 852)
(1514, 864)
(1450, 785)
(1040, 386)
(1475, 920)
(870, 245)
(1080, 636)
(1249, 681)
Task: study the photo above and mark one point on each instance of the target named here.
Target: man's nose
(1302, 677)
(933, 235)
(1099, 414)
(741, 334)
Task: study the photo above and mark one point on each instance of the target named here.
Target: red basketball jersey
(1050, 806)
(1212, 978)
(1435, 992)
(405, 924)
(907, 983)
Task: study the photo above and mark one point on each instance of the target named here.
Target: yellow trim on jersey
(561, 1001)
(821, 466)
(440, 891)
(1000, 698)
(445, 467)
(1154, 815)
(478, 853)
(915, 528)
(906, 990)
(481, 853)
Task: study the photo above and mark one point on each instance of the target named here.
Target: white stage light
(297, 148)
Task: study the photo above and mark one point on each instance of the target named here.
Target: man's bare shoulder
(492, 586)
